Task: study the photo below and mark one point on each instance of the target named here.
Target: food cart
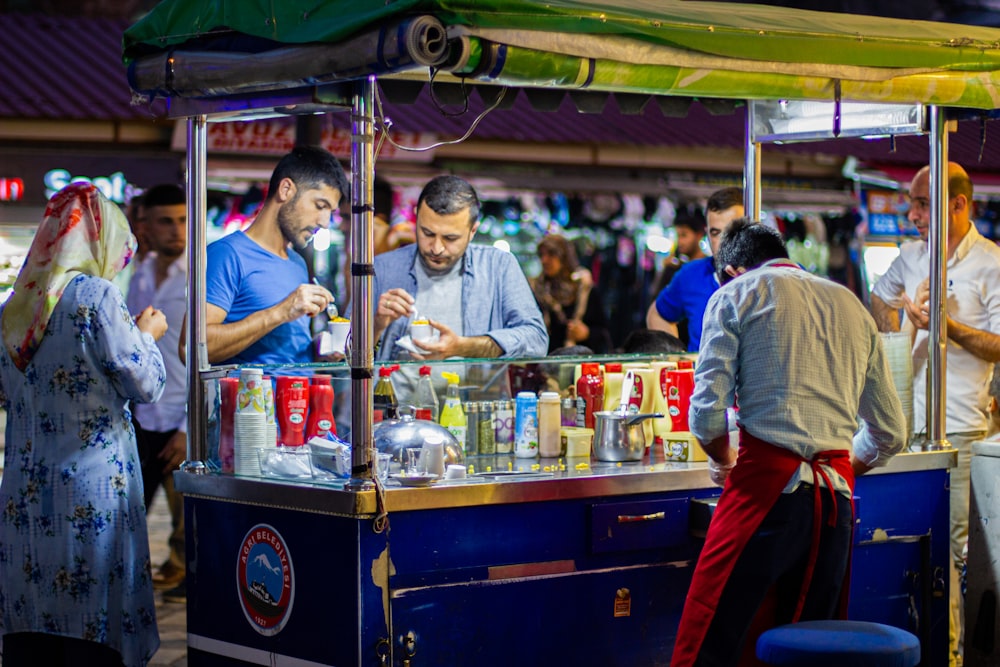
(578, 563)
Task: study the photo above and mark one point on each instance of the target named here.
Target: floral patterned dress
(74, 552)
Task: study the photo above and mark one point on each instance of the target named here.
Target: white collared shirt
(973, 298)
(804, 358)
(170, 411)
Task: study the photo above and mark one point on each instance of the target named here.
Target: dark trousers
(34, 649)
(150, 444)
(774, 561)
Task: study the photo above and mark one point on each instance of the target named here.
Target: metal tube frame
(751, 168)
(937, 240)
(195, 335)
(362, 303)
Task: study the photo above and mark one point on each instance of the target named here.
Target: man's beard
(287, 226)
(170, 251)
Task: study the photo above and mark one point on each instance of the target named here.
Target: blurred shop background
(608, 171)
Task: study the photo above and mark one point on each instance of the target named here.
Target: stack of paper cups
(899, 354)
(249, 422)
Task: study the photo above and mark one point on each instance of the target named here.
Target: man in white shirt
(161, 427)
(804, 363)
(973, 310)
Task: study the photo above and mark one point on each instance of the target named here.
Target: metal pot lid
(393, 435)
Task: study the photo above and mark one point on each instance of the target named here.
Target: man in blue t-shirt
(687, 294)
(259, 298)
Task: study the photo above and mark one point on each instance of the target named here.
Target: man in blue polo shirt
(687, 294)
(258, 291)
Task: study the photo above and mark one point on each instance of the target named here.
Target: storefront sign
(886, 211)
(115, 187)
(277, 137)
(11, 189)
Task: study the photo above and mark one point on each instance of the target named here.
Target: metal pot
(619, 437)
(393, 436)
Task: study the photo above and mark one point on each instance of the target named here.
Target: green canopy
(668, 47)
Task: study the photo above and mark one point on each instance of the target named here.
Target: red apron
(750, 492)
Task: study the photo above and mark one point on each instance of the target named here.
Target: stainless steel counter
(496, 480)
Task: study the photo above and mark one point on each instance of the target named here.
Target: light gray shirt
(496, 300)
(804, 358)
(170, 296)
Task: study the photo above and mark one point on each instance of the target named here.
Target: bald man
(973, 312)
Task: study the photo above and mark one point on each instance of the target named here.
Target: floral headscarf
(81, 233)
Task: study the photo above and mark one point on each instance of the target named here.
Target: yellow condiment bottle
(452, 413)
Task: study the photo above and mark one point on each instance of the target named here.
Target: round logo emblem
(265, 580)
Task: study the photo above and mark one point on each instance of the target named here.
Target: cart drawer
(651, 524)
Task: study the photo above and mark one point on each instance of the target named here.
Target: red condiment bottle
(291, 402)
(320, 420)
(589, 394)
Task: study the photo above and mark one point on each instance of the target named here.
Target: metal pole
(751, 167)
(195, 336)
(937, 239)
(361, 353)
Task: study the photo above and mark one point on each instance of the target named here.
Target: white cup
(334, 339)
(422, 330)
(455, 471)
(433, 456)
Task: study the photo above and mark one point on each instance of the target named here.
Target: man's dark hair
(725, 199)
(652, 341)
(747, 244)
(382, 199)
(163, 195)
(690, 217)
(450, 194)
(310, 167)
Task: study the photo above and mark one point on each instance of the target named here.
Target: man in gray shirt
(476, 297)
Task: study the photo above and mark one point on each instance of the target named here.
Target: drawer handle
(631, 518)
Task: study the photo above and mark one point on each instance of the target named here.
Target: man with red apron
(802, 359)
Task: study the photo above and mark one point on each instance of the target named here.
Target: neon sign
(115, 187)
(11, 189)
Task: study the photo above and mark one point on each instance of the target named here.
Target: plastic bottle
(549, 422)
(613, 376)
(385, 394)
(589, 394)
(425, 396)
(291, 403)
(526, 425)
(452, 414)
(320, 420)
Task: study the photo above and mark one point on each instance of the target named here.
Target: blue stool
(838, 644)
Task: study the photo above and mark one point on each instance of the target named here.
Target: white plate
(414, 480)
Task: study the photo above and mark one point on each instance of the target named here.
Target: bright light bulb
(321, 240)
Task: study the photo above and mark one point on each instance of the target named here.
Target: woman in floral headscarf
(573, 312)
(74, 554)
